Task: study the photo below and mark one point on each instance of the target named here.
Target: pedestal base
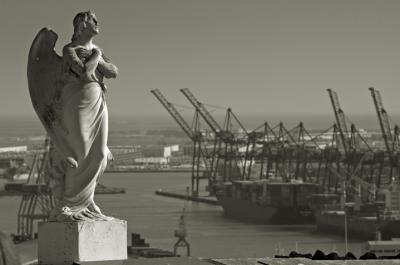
(62, 243)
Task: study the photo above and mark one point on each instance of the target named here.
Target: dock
(148, 170)
(181, 195)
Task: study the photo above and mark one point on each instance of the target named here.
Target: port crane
(225, 145)
(391, 140)
(234, 142)
(200, 152)
(202, 110)
(36, 201)
(267, 138)
(354, 155)
(305, 157)
(349, 139)
(348, 143)
(305, 151)
(286, 148)
(279, 152)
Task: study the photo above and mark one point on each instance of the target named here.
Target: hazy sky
(265, 57)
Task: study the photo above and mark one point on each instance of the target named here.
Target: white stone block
(65, 242)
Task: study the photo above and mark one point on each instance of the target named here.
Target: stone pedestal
(62, 243)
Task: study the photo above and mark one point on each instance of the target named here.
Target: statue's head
(85, 23)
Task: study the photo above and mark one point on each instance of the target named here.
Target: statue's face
(92, 24)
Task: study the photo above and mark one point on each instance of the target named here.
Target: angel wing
(45, 78)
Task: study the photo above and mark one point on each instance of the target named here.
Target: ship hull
(358, 227)
(252, 212)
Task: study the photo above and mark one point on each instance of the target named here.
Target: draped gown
(80, 152)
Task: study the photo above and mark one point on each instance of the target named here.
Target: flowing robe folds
(82, 136)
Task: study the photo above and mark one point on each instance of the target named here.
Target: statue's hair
(79, 20)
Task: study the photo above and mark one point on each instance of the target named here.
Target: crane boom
(202, 110)
(174, 113)
(383, 120)
(340, 119)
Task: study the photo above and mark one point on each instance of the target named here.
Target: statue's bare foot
(64, 214)
(71, 162)
(60, 214)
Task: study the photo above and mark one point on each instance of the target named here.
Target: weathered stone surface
(66, 242)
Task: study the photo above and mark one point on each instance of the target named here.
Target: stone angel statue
(68, 95)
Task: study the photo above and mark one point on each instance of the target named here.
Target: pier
(203, 199)
(147, 170)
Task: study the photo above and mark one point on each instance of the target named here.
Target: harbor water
(209, 232)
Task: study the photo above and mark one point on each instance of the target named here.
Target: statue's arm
(84, 71)
(107, 68)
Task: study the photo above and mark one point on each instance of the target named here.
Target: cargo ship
(365, 227)
(266, 202)
(377, 219)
